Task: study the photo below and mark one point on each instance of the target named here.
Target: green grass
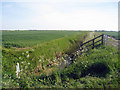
(112, 34)
(39, 53)
(31, 38)
(98, 68)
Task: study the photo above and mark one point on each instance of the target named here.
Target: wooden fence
(93, 42)
(73, 56)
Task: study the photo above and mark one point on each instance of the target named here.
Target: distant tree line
(105, 31)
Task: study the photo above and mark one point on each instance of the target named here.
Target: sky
(59, 15)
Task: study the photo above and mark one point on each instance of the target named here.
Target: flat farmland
(113, 34)
(31, 38)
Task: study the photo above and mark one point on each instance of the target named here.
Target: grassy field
(98, 68)
(112, 34)
(31, 38)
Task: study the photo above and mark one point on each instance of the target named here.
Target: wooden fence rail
(73, 55)
(93, 42)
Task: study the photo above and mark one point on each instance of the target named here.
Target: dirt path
(18, 49)
(90, 36)
(113, 42)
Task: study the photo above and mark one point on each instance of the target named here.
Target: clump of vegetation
(98, 68)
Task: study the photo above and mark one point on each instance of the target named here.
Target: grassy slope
(97, 69)
(38, 56)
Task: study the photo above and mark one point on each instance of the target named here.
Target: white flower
(19, 57)
(25, 67)
(26, 51)
(40, 60)
(32, 50)
(5, 83)
(56, 64)
(82, 62)
(28, 56)
(62, 58)
(17, 83)
(23, 53)
(87, 61)
(28, 63)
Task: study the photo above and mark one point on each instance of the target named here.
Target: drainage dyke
(69, 59)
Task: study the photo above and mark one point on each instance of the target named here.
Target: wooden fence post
(93, 44)
(102, 38)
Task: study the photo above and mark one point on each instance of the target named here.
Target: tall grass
(99, 68)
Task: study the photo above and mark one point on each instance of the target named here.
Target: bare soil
(113, 42)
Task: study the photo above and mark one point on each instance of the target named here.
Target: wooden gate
(94, 42)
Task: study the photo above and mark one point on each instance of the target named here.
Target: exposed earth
(113, 42)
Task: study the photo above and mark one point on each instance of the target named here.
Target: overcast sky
(60, 14)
